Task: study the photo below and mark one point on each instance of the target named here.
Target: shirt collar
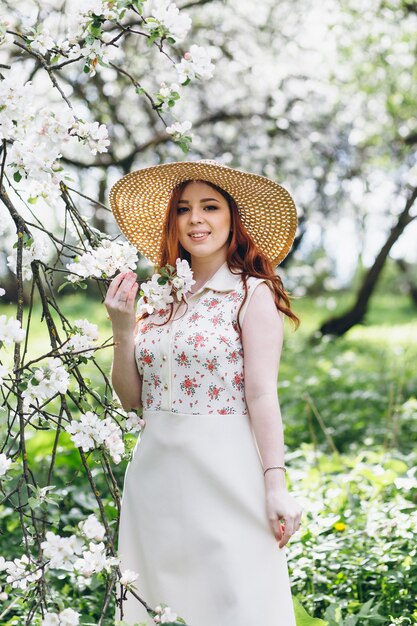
(222, 280)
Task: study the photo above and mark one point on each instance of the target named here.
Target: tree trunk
(340, 325)
(412, 289)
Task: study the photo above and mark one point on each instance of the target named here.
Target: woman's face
(202, 209)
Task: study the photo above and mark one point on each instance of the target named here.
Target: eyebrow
(203, 200)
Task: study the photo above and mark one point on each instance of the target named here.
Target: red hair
(242, 255)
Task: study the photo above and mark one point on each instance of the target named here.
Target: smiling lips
(198, 236)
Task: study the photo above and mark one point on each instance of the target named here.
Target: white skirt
(194, 525)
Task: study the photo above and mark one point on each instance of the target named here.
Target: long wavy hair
(243, 255)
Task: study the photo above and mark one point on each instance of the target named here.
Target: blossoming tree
(44, 129)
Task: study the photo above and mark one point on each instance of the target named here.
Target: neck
(203, 270)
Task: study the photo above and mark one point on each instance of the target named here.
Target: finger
(132, 295)
(124, 289)
(288, 532)
(276, 527)
(114, 285)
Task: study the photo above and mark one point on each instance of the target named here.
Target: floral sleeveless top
(194, 363)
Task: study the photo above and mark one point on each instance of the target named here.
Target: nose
(195, 216)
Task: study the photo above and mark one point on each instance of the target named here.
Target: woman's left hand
(281, 505)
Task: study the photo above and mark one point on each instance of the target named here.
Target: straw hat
(139, 201)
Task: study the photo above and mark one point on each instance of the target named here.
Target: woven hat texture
(139, 201)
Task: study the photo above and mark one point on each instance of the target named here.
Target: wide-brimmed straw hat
(139, 201)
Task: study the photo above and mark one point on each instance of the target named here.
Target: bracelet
(275, 467)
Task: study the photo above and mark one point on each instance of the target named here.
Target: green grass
(349, 410)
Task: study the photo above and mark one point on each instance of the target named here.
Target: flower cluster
(129, 421)
(178, 129)
(20, 572)
(91, 431)
(83, 338)
(196, 63)
(67, 617)
(167, 20)
(78, 553)
(156, 292)
(84, 36)
(38, 250)
(37, 135)
(133, 423)
(128, 577)
(93, 134)
(10, 330)
(61, 552)
(46, 381)
(92, 528)
(164, 615)
(106, 260)
(167, 96)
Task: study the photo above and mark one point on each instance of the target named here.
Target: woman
(205, 490)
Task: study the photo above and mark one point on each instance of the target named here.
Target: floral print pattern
(194, 364)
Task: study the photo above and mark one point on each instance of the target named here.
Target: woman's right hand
(119, 302)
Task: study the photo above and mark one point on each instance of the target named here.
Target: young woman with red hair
(205, 491)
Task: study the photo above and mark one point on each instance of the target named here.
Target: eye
(181, 209)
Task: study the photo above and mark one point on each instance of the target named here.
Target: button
(164, 357)
(165, 386)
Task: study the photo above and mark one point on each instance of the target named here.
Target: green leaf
(61, 287)
(17, 177)
(302, 618)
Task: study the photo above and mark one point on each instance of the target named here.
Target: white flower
(2, 291)
(167, 91)
(61, 551)
(50, 619)
(69, 617)
(195, 64)
(184, 270)
(4, 464)
(134, 422)
(19, 573)
(91, 431)
(92, 528)
(178, 128)
(165, 615)
(84, 339)
(52, 378)
(93, 560)
(93, 134)
(39, 250)
(167, 14)
(156, 296)
(128, 577)
(42, 42)
(108, 258)
(11, 330)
